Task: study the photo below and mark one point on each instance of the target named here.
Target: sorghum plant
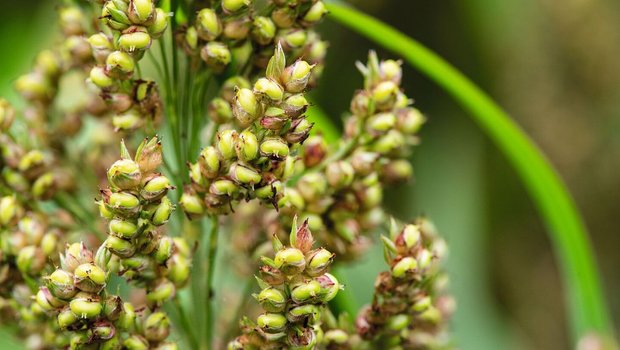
(242, 161)
(409, 308)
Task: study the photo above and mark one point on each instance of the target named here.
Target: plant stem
(239, 311)
(211, 257)
(172, 123)
(185, 109)
(186, 324)
(168, 167)
(584, 296)
(201, 84)
(174, 85)
(175, 56)
(166, 69)
(198, 273)
(172, 116)
(155, 62)
(139, 70)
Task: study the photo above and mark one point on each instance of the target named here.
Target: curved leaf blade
(584, 296)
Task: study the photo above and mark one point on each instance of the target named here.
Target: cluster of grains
(256, 156)
(131, 25)
(295, 287)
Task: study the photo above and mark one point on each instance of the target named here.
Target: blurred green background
(554, 66)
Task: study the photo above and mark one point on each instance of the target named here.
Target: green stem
(185, 109)
(168, 167)
(171, 106)
(199, 117)
(584, 297)
(175, 56)
(211, 256)
(233, 327)
(155, 62)
(185, 323)
(171, 114)
(198, 272)
(139, 70)
(166, 68)
(172, 123)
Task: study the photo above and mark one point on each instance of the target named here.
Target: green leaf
(330, 132)
(586, 304)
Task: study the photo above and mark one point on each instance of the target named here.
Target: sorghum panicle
(264, 57)
(137, 207)
(341, 191)
(75, 295)
(133, 25)
(40, 86)
(241, 31)
(295, 287)
(255, 155)
(410, 308)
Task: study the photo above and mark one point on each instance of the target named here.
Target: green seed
(404, 267)
(269, 88)
(123, 228)
(306, 291)
(271, 322)
(134, 41)
(85, 308)
(208, 25)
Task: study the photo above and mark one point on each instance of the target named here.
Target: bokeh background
(554, 66)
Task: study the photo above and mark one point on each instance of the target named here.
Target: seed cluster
(257, 161)
(132, 27)
(136, 206)
(410, 309)
(238, 30)
(29, 244)
(40, 86)
(295, 286)
(75, 294)
(28, 240)
(262, 56)
(341, 191)
(340, 334)
(30, 174)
